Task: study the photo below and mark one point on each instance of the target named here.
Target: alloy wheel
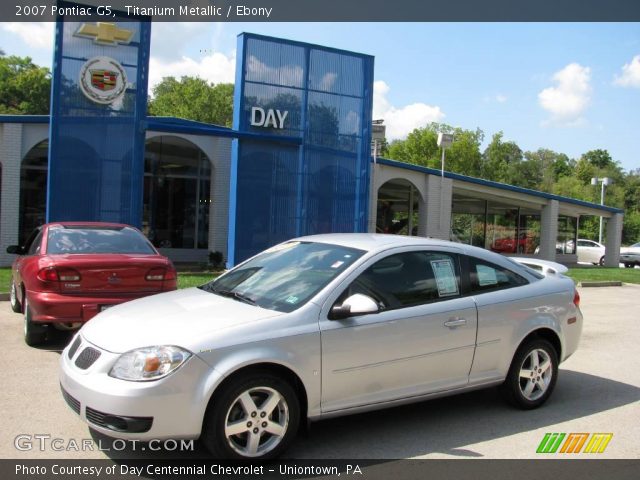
(536, 374)
(256, 422)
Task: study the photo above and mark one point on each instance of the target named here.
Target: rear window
(487, 276)
(85, 240)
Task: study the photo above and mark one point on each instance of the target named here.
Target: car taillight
(53, 274)
(576, 298)
(159, 274)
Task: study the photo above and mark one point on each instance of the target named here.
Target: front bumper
(172, 407)
(49, 307)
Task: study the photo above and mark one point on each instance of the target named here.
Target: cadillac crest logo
(103, 80)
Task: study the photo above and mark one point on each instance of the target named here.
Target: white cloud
(630, 74)
(401, 121)
(569, 98)
(214, 68)
(499, 98)
(35, 35)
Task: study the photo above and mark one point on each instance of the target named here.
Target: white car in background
(630, 256)
(590, 252)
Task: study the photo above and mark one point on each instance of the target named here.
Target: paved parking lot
(598, 391)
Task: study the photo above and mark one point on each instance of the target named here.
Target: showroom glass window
(33, 190)
(176, 194)
(567, 234)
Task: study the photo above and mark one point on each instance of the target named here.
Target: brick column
(549, 231)
(614, 238)
(437, 208)
(11, 158)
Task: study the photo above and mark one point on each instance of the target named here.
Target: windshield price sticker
(445, 277)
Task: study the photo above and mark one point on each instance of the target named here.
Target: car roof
(375, 241)
(86, 224)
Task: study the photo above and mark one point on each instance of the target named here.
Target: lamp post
(444, 141)
(604, 181)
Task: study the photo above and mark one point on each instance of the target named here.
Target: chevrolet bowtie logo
(105, 33)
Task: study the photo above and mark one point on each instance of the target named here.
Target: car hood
(633, 250)
(183, 317)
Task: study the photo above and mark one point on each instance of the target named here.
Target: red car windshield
(85, 240)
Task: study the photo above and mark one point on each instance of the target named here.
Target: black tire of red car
(213, 435)
(34, 334)
(511, 389)
(13, 299)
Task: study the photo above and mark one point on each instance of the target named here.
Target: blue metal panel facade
(279, 191)
(96, 150)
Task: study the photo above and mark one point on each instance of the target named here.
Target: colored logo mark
(104, 33)
(103, 79)
(574, 443)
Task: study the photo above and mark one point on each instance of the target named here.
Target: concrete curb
(4, 297)
(601, 284)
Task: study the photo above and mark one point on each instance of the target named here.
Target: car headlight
(149, 363)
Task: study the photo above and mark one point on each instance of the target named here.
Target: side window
(34, 248)
(408, 279)
(487, 276)
(34, 242)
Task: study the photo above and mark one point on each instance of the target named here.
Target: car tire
(34, 334)
(13, 299)
(526, 387)
(259, 396)
(601, 262)
(626, 265)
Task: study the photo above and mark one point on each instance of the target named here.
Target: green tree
(421, 148)
(598, 158)
(193, 98)
(24, 87)
(501, 160)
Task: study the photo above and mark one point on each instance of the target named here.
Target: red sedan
(68, 272)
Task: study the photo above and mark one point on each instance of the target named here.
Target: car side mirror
(356, 304)
(15, 249)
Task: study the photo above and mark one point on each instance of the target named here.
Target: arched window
(177, 180)
(397, 212)
(33, 189)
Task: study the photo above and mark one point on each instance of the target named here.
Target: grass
(600, 274)
(5, 279)
(186, 280)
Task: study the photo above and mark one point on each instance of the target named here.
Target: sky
(570, 87)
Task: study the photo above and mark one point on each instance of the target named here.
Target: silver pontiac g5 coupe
(318, 327)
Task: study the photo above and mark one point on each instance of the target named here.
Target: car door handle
(455, 322)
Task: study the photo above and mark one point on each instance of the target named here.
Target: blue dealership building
(297, 161)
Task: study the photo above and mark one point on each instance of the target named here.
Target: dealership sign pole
(98, 108)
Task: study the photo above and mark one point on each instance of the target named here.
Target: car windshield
(286, 276)
(87, 240)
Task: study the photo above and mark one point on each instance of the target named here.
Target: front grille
(118, 423)
(87, 357)
(72, 402)
(74, 347)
